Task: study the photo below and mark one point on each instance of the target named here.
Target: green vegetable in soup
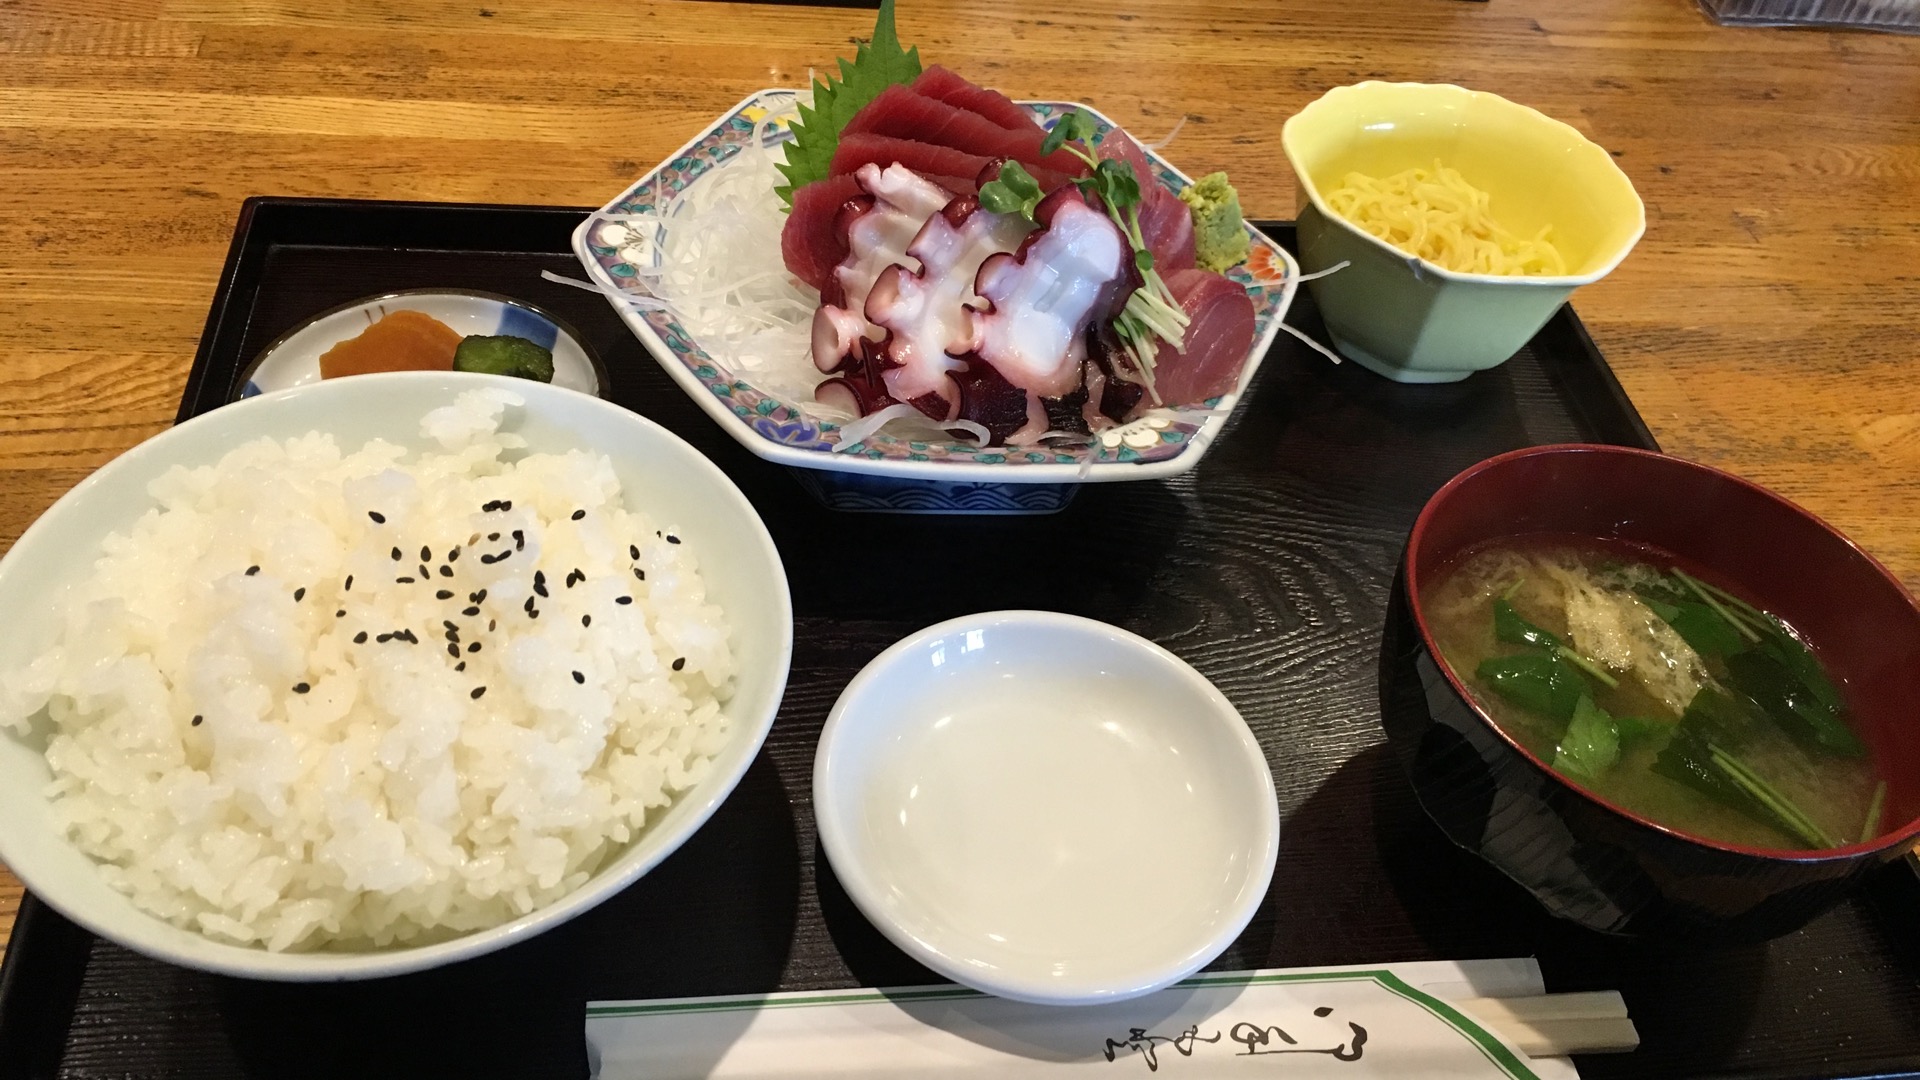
(1587, 659)
(504, 355)
(1509, 626)
(1591, 745)
(1540, 682)
(1693, 757)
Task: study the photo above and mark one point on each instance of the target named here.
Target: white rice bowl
(279, 751)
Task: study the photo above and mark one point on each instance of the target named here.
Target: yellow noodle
(1438, 216)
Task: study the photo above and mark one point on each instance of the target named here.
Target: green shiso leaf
(876, 65)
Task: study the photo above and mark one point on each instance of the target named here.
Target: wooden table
(1768, 322)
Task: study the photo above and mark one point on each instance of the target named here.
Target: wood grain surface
(1767, 323)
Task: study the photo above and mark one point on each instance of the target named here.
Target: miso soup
(1663, 693)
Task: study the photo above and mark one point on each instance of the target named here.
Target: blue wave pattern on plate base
(1264, 279)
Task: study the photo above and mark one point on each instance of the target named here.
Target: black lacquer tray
(1267, 568)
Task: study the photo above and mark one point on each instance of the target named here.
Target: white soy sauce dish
(293, 358)
(1046, 808)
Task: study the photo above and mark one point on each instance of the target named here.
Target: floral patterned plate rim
(773, 429)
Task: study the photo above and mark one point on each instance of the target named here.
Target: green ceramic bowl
(1404, 317)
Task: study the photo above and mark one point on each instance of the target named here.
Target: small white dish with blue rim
(888, 473)
(293, 358)
(1045, 808)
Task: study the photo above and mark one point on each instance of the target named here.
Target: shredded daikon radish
(713, 253)
(979, 432)
(861, 430)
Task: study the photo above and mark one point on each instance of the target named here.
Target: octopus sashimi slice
(877, 237)
(928, 315)
(1044, 298)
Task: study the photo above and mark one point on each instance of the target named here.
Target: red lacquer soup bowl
(1585, 858)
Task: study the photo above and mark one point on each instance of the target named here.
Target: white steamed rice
(242, 762)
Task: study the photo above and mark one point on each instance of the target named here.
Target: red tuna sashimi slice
(810, 244)
(866, 148)
(1165, 222)
(1219, 333)
(1167, 226)
(901, 112)
(937, 82)
(927, 159)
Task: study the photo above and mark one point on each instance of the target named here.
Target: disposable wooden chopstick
(1551, 1025)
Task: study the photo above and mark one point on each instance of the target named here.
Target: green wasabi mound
(504, 355)
(1219, 234)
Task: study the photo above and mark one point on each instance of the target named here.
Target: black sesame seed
(489, 559)
(586, 620)
(539, 577)
(340, 614)
(477, 691)
(473, 646)
(396, 554)
(453, 651)
(301, 688)
(679, 663)
(541, 588)
(360, 638)
(299, 594)
(506, 504)
(252, 570)
(579, 678)
(446, 571)
(443, 594)
(470, 612)
(529, 604)
(519, 540)
(461, 666)
(639, 573)
(384, 638)
(378, 517)
(453, 555)
(633, 550)
(534, 614)
(450, 624)
(493, 536)
(479, 596)
(198, 719)
(672, 539)
(425, 575)
(490, 506)
(349, 587)
(426, 553)
(623, 599)
(403, 581)
(578, 514)
(491, 624)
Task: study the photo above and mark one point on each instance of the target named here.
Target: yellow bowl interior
(1537, 170)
